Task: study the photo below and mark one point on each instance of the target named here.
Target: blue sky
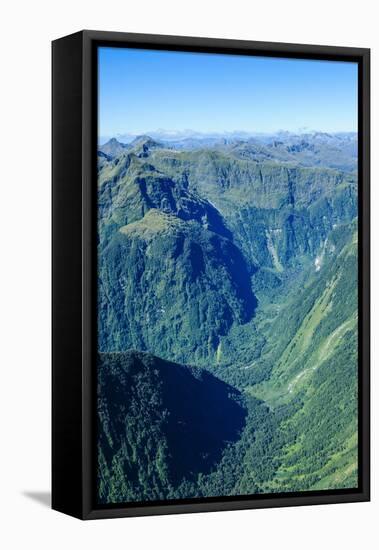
(145, 90)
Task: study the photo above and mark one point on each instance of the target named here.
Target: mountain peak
(113, 147)
(144, 139)
(142, 145)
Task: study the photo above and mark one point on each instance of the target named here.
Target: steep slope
(324, 304)
(159, 424)
(171, 280)
(279, 214)
(130, 186)
(171, 287)
(315, 374)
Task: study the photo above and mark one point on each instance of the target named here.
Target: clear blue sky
(145, 90)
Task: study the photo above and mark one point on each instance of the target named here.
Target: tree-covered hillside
(159, 424)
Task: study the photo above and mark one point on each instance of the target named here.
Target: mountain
(141, 145)
(318, 150)
(189, 238)
(333, 150)
(237, 255)
(151, 436)
(130, 186)
(113, 148)
(314, 365)
(277, 213)
(174, 282)
(168, 264)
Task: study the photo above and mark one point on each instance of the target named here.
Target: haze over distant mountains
(179, 135)
(338, 150)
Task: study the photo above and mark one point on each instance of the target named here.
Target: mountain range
(337, 150)
(227, 315)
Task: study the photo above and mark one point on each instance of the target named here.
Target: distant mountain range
(166, 135)
(339, 150)
(237, 256)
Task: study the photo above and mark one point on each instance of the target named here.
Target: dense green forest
(227, 319)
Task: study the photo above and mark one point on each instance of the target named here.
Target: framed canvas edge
(89, 139)
(66, 291)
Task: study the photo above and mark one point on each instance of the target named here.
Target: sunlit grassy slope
(316, 377)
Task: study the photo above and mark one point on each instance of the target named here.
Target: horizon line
(186, 134)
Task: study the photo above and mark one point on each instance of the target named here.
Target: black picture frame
(74, 133)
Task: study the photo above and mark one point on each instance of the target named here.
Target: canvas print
(227, 305)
